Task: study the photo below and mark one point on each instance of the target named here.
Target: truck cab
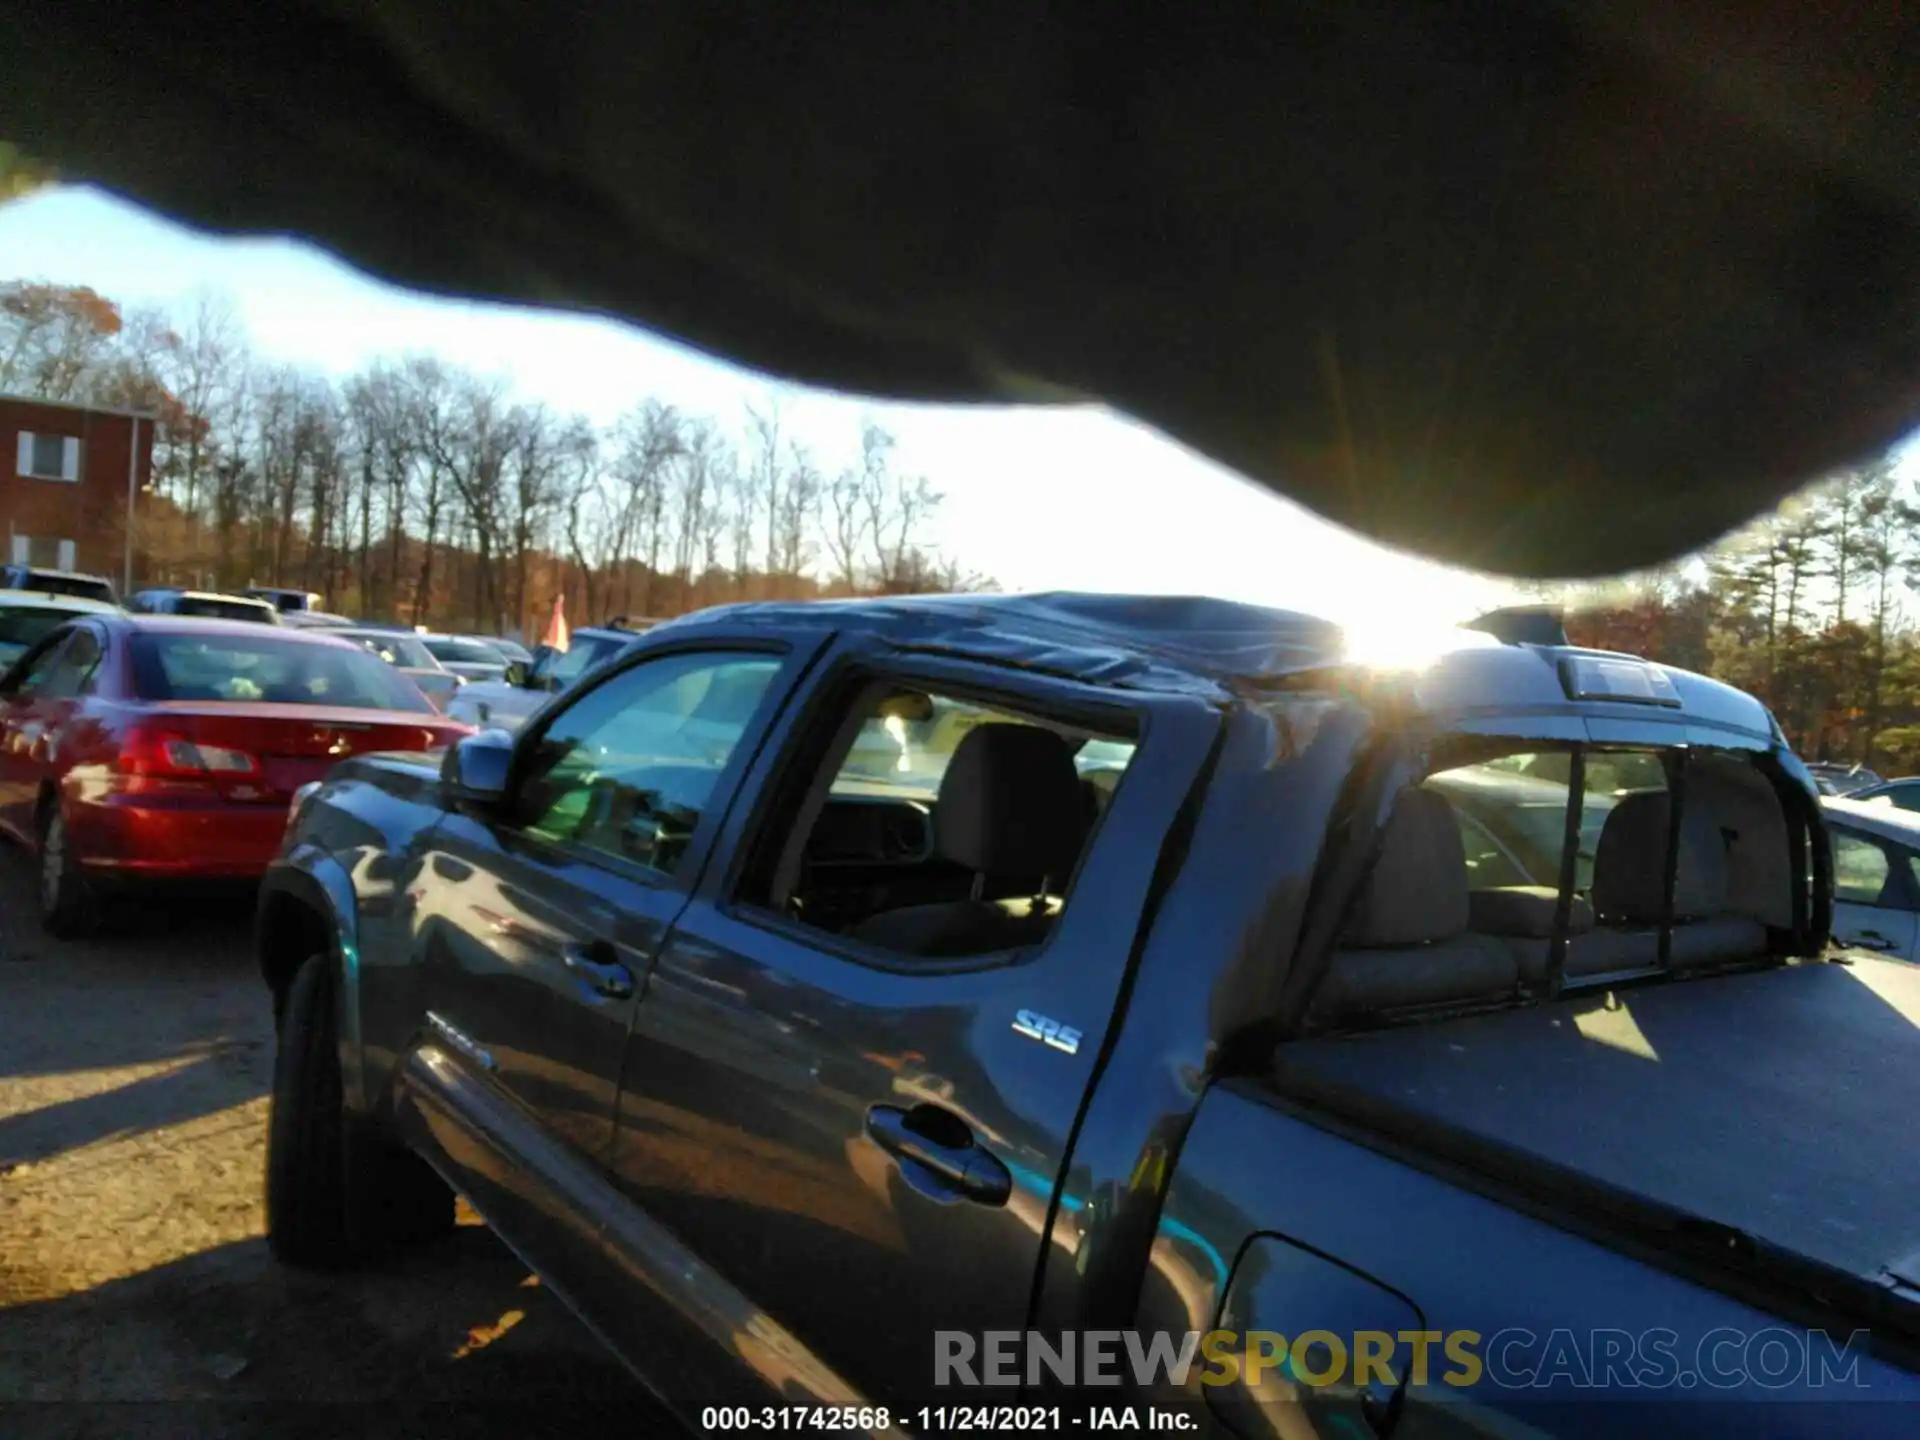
(811, 992)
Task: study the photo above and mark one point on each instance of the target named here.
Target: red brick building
(71, 474)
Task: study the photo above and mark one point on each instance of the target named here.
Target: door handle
(595, 964)
(938, 1155)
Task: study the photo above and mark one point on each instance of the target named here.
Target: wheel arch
(307, 907)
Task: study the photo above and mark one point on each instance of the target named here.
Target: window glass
(395, 648)
(865, 854)
(563, 667)
(629, 769)
(1512, 811)
(74, 669)
(217, 609)
(1860, 869)
(463, 652)
(21, 626)
(49, 456)
(895, 753)
(34, 677)
(238, 667)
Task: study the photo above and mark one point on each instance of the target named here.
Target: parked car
(403, 650)
(786, 1084)
(471, 660)
(284, 600)
(1835, 778)
(167, 748)
(59, 582)
(315, 619)
(1902, 794)
(28, 615)
(1876, 876)
(505, 703)
(512, 649)
(168, 600)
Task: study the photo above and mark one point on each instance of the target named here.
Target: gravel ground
(136, 1295)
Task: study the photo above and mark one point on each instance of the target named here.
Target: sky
(1038, 499)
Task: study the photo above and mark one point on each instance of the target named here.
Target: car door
(1875, 894)
(535, 925)
(23, 723)
(850, 1144)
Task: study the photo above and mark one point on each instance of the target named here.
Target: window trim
(726, 787)
(805, 745)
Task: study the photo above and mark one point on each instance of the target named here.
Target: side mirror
(475, 771)
(517, 673)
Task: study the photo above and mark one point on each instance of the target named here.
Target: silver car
(1876, 876)
(471, 660)
(409, 656)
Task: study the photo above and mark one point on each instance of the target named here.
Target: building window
(49, 457)
(44, 554)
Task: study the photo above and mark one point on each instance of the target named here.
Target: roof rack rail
(1524, 625)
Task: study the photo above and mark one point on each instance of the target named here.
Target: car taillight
(156, 754)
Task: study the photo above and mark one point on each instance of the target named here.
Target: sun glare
(1400, 643)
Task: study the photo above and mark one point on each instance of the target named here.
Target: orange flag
(556, 635)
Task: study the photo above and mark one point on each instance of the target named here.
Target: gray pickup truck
(1069, 1012)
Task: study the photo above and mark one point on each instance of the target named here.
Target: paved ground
(136, 1296)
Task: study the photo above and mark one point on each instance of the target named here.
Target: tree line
(1807, 609)
(422, 491)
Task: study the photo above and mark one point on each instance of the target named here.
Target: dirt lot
(136, 1295)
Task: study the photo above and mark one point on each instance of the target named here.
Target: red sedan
(169, 748)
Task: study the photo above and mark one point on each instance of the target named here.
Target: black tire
(336, 1194)
(68, 908)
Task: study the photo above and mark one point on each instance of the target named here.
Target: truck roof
(1199, 644)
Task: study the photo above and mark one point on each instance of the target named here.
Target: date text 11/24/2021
(944, 1419)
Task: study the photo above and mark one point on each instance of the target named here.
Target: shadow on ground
(451, 1340)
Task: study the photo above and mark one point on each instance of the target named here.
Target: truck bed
(1780, 1104)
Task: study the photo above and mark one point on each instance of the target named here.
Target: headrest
(1417, 892)
(1526, 912)
(1011, 804)
(1629, 867)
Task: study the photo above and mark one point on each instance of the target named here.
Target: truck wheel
(67, 908)
(335, 1194)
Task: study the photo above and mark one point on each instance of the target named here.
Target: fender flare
(311, 879)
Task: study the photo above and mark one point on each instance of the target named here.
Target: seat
(1629, 894)
(1408, 942)
(1522, 918)
(1011, 810)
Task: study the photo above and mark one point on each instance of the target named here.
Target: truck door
(535, 924)
(865, 1043)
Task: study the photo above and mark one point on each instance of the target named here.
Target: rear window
(465, 652)
(1489, 887)
(394, 648)
(242, 669)
(217, 609)
(69, 585)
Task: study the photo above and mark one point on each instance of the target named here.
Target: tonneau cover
(1779, 1103)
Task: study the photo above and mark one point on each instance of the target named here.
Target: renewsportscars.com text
(1772, 1359)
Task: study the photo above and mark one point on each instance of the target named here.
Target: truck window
(937, 826)
(627, 770)
(1465, 898)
